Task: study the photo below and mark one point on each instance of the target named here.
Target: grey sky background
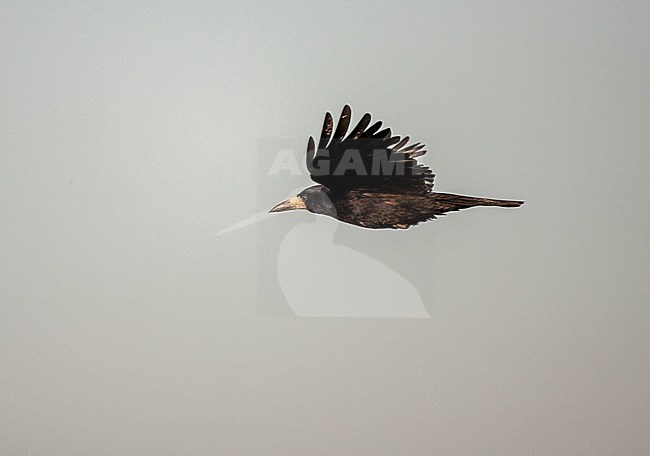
(130, 136)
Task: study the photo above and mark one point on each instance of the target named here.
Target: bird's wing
(368, 158)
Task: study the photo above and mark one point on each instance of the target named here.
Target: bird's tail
(447, 202)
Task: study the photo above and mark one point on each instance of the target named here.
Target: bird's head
(314, 199)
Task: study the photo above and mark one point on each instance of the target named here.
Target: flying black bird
(372, 179)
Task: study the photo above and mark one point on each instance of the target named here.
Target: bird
(372, 179)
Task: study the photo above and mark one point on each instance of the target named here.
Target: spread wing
(368, 159)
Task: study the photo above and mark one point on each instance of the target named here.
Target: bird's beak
(289, 205)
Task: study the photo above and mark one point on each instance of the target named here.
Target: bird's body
(390, 210)
(372, 179)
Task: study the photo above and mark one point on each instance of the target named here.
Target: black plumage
(372, 179)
